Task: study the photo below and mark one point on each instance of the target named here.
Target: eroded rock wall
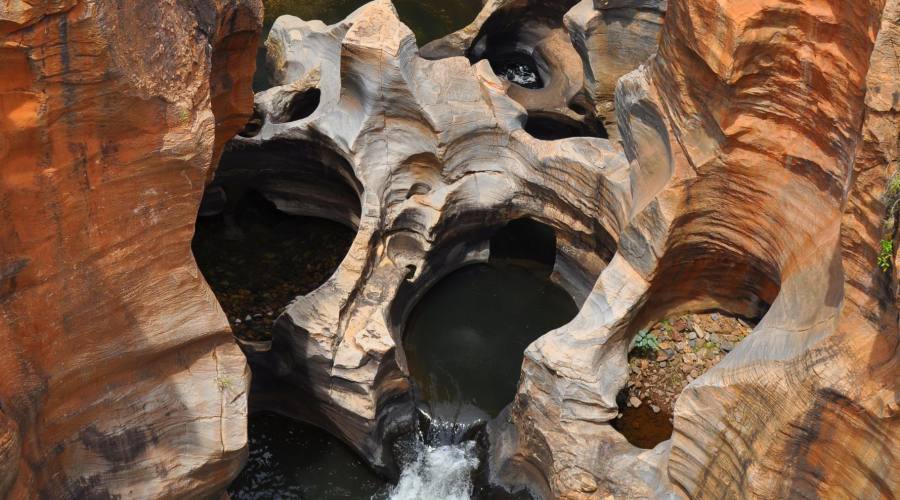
(771, 140)
(121, 378)
(745, 174)
(440, 159)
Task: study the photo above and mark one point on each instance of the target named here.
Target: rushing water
(428, 19)
(438, 472)
(465, 340)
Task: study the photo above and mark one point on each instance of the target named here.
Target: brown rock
(121, 378)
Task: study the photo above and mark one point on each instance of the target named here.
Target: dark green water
(291, 460)
(465, 339)
(428, 19)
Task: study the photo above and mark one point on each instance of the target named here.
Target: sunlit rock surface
(751, 147)
(120, 375)
(438, 156)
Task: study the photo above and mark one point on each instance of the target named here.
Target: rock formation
(745, 175)
(733, 156)
(121, 379)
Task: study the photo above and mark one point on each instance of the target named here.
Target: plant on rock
(886, 255)
(646, 343)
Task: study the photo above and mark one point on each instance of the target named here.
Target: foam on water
(438, 473)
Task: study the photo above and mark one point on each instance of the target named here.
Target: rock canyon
(503, 249)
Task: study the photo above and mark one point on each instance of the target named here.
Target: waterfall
(438, 462)
(441, 472)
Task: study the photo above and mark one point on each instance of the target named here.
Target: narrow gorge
(471, 249)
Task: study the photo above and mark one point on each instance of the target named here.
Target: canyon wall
(770, 131)
(749, 148)
(120, 375)
(750, 167)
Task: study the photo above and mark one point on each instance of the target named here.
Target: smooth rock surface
(120, 375)
(751, 146)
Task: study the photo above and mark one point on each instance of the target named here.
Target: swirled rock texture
(120, 375)
(765, 133)
(426, 158)
(753, 143)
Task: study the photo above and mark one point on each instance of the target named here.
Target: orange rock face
(120, 374)
(763, 136)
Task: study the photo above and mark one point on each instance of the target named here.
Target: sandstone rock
(696, 118)
(426, 159)
(121, 378)
(756, 138)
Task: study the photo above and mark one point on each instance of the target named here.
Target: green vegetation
(891, 200)
(646, 342)
(224, 383)
(886, 256)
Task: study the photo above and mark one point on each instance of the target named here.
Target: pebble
(248, 318)
(692, 335)
(654, 408)
(237, 321)
(634, 402)
(700, 331)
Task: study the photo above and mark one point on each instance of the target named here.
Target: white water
(438, 473)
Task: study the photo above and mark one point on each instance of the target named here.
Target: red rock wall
(769, 102)
(120, 374)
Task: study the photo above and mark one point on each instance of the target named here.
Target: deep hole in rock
(728, 290)
(508, 40)
(464, 339)
(518, 68)
(300, 106)
(554, 127)
(265, 236)
(253, 126)
(664, 359)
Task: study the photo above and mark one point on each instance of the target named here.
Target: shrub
(646, 342)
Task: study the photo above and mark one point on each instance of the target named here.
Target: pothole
(257, 259)
(518, 68)
(664, 359)
(274, 225)
(547, 127)
(301, 105)
(464, 342)
(466, 337)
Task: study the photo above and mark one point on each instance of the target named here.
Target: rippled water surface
(291, 460)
